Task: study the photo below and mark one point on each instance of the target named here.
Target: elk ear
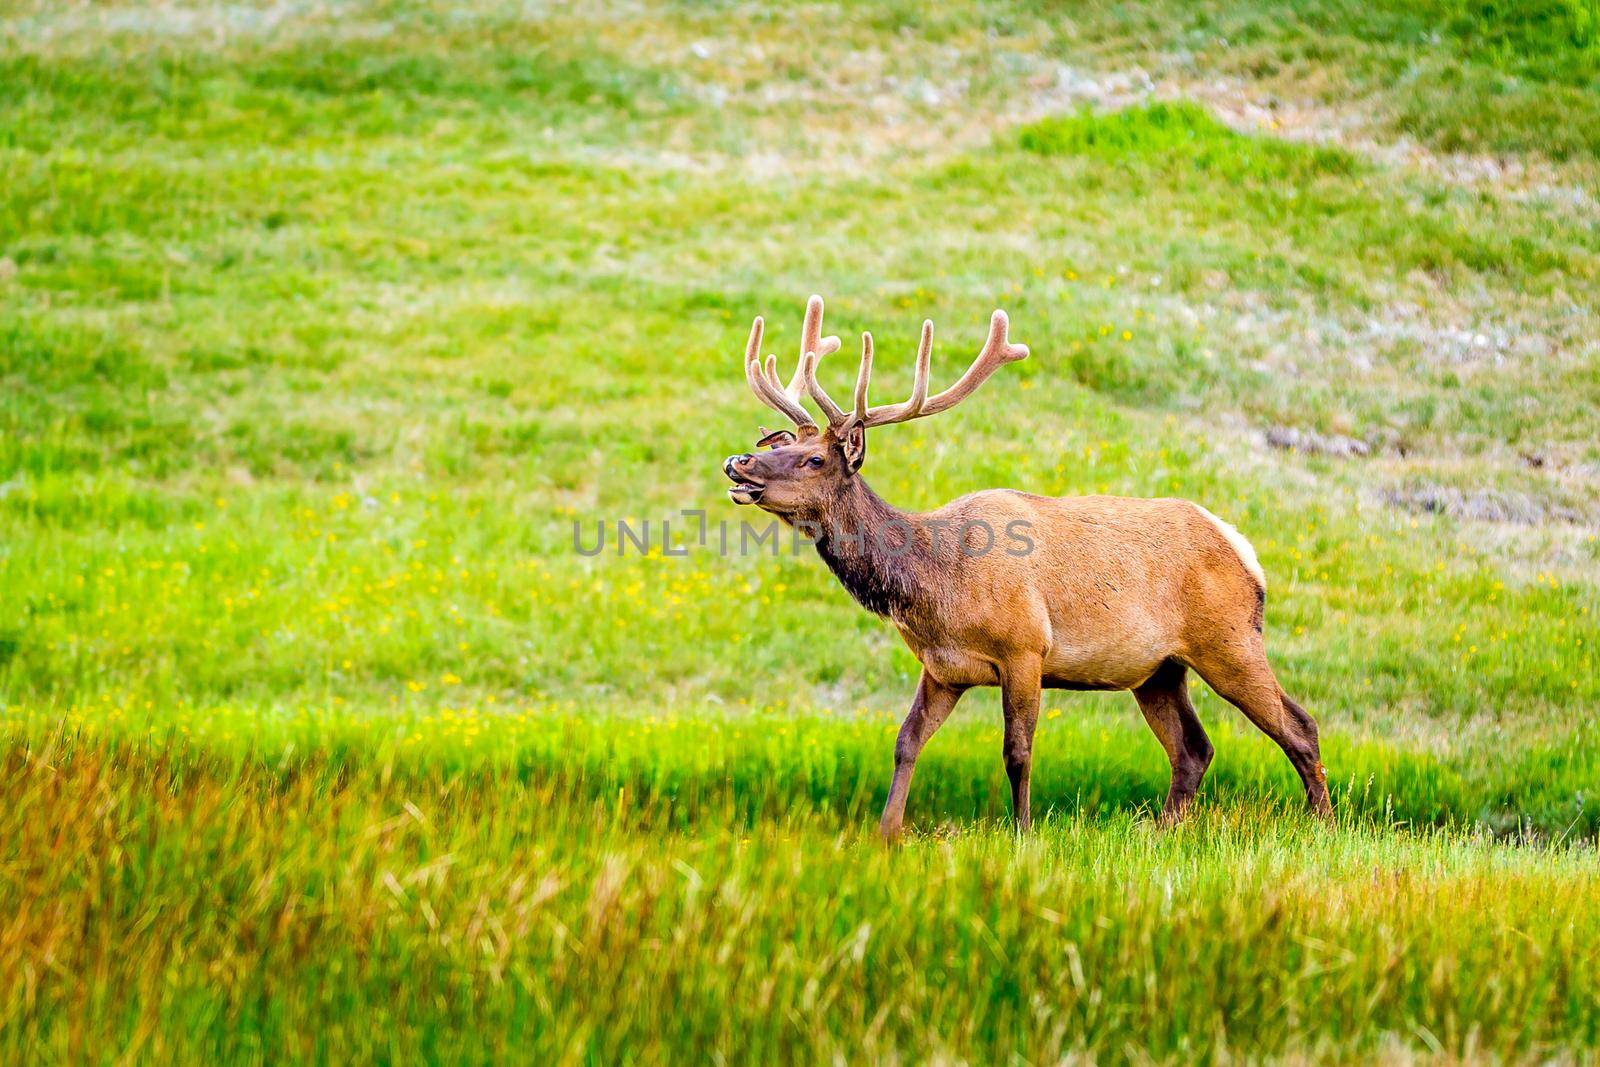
(775, 438)
(854, 446)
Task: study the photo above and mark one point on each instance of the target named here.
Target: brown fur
(1116, 593)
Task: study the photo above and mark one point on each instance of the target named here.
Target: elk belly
(1120, 659)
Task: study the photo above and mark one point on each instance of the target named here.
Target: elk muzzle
(745, 488)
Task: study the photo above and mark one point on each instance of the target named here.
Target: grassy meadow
(324, 326)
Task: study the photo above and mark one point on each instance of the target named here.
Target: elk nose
(732, 462)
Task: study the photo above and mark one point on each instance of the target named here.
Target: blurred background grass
(324, 326)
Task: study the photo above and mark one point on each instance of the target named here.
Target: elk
(1082, 592)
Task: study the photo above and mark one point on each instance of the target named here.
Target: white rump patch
(1247, 554)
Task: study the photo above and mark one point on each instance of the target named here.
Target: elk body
(1020, 591)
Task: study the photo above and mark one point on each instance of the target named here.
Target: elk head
(805, 469)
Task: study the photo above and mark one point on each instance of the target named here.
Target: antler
(764, 380)
(997, 351)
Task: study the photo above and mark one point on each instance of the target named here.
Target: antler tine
(811, 340)
(997, 351)
(863, 379)
(765, 389)
(891, 413)
(919, 384)
(752, 347)
(808, 372)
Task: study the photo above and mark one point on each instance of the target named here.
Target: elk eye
(814, 461)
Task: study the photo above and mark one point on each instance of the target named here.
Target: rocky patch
(1484, 505)
(1291, 439)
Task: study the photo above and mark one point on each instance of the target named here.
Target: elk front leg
(929, 709)
(1019, 696)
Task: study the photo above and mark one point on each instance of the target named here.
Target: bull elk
(1109, 592)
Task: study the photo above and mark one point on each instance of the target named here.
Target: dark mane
(878, 588)
(870, 557)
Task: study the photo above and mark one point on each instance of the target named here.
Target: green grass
(321, 330)
(1516, 79)
(1186, 141)
(528, 909)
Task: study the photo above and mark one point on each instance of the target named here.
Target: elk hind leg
(1164, 700)
(1244, 679)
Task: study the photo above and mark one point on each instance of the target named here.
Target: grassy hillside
(322, 329)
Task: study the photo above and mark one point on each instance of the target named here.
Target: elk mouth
(742, 492)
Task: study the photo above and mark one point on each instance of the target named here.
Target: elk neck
(878, 552)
